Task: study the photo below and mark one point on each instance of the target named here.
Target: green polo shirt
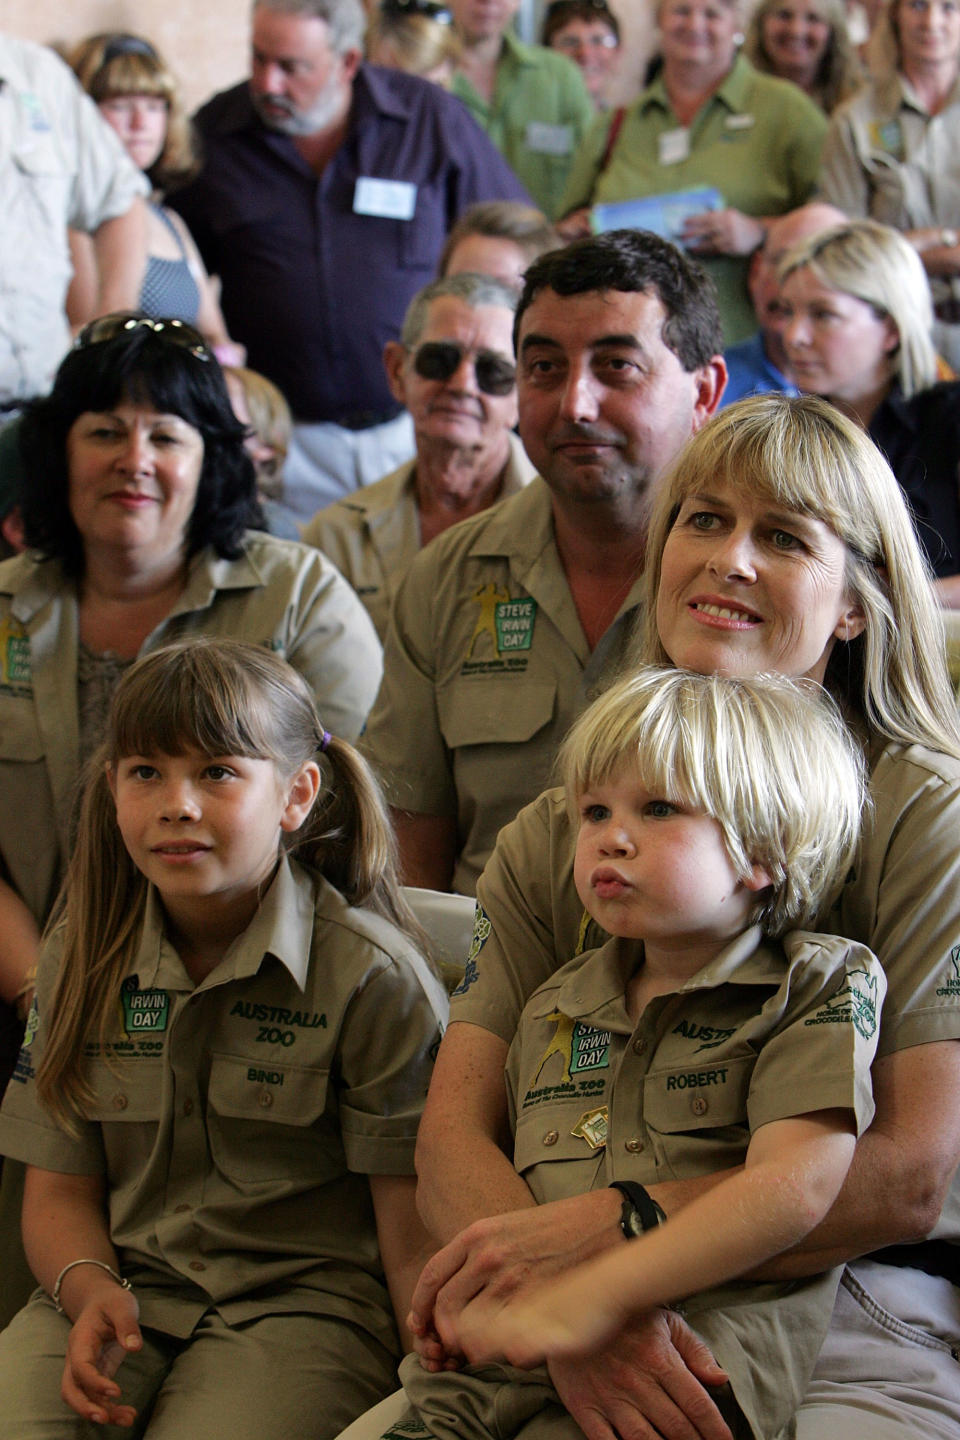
(757, 140)
(538, 115)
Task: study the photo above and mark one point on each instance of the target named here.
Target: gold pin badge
(593, 1127)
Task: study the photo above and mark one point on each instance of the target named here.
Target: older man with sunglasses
(453, 369)
(504, 628)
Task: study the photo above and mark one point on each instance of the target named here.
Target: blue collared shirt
(313, 289)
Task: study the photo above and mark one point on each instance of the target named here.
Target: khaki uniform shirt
(60, 165)
(757, 140)
(486, 666)
(278, 594)
(765, 1032)
(902, 899)
(887, 158)
(236, 1122)
(373, 535)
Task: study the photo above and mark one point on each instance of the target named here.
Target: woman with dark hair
(142, 523)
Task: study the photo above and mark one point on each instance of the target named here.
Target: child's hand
(568, 1317)
(103, 1334)
(434, 1355)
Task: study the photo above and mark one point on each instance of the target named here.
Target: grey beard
(325, 109)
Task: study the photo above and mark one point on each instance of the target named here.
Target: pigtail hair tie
(325, 738)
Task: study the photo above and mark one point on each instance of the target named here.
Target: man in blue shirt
(759, 364)
(328, 190)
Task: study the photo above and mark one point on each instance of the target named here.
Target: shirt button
(264, 1099)
(634, 1146)
(188, 1107)
(120, 1102)
(197, 1265)
(698, 1105)
(639, 1045)
(551, 1137)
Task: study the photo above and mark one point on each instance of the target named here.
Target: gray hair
(474, 290)
(345, 18)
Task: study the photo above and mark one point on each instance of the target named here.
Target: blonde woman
(139, 99)
(416, 36)
(856, 325)
(893, 151)
(779, 542)
(806, 41)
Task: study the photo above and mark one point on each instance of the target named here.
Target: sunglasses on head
(428, 8)
(439, 359)
(123, 322)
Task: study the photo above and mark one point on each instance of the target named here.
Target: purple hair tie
(325, 738)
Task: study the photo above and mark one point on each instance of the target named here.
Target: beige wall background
(205, 41)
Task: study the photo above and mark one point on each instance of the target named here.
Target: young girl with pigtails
(219, 1089)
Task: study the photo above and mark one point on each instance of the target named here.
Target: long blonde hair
(805, 455)
(220, 697)
(770, 759)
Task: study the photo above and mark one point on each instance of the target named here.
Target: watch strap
(638, 1205)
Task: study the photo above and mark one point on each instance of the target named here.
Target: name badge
(389, 199)
(740, 122)
(549, 139)
(674, 146)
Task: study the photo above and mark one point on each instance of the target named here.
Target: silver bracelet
(101, 1264)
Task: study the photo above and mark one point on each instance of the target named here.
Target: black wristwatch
(640, 1211)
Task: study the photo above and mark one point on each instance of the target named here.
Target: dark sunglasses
(125, 322)
(439, 359)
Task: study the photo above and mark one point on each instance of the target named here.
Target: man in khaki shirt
(508, 625)
(453, 370)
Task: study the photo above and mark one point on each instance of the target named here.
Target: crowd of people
(479, 758)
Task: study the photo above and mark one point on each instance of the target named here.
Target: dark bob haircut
(634, 261)
(144, 367)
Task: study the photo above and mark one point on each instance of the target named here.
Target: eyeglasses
(125, 322)
(439, 359)
(590, 42)
(428, 8)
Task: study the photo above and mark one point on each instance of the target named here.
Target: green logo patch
(14, 658)
(144, 1011)
(514, 624)
(854, 1003)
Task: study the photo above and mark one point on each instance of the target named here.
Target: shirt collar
(282, 927)
(733, 90)
(597, 982)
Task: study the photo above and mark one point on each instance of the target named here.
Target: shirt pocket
(268, 1123)
(554, 1162)
(495, 711)
(127, 1103)
(696, 1115)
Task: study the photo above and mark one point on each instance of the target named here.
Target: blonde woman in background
(416, 36)
(856, 327)
(139, 99)
(806, 41)
(893, 151)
